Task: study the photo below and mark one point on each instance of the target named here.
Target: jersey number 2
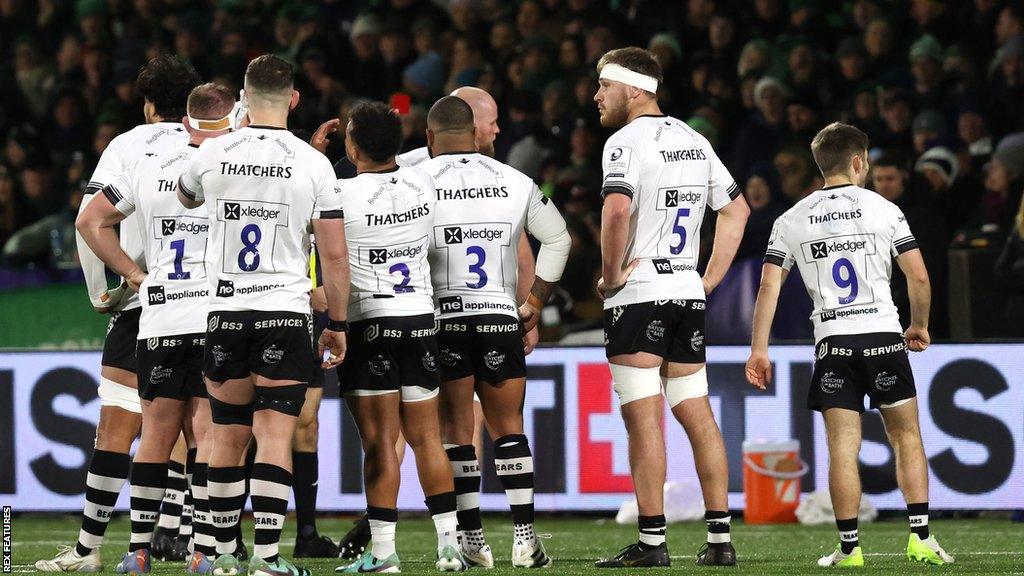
(403, 269)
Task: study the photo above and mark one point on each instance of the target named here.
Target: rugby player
(659, 178)
(483, 206)
(843, 239)
(172, 326)
(264, 191)
(164, 84)
(390, 377)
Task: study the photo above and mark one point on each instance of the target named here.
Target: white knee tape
(114, 394)
(635, 383)
(686, 387)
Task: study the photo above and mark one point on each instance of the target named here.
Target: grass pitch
(980, 546)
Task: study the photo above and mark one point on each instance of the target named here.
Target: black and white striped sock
(225, 490)
(174, 497)
(718, 526)
(514, 464)
(108, 471)
(204, 539)
(269, 488)
(652, 530)
(149, 484)
(187, 506)
(466, 473)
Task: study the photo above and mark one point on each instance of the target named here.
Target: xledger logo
(169, 226)
(235, 211)
(674, 197)
(823, 249)
(455, 235)
(378, 255)
(382, 255)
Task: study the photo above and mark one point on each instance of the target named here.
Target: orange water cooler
(772, 470)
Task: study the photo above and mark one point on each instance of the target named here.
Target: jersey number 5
(679, 230)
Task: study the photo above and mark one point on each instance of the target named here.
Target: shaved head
(450, 115)
(485, 116)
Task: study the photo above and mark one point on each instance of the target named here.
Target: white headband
(629, 77)
(211, 125)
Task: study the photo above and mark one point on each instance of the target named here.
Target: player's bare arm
(614, 235)
(526, 264)
(334, 265)
(920, 291)
(96, 225)
(186, 200)
(759, 367)
(732, 219)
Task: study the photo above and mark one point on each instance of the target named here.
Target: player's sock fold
(205, 539)
(466, 473)
(148, 486)
(305, 474)
(225, 489)
(513, 461)
(383, 522)
(174, 497)
(718, 526)
(442, 511)
(848, 535)
(269, 488)
(918, 515)
(652, 531)
(108, 472)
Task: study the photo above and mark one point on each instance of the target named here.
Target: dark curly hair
(376, 130)
(166, 82)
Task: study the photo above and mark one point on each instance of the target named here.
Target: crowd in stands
(937, 85)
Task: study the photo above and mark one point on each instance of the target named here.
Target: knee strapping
(633, 383)
(225, 413)
(284, 399)
(686, 387)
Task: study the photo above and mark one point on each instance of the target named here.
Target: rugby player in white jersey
(843, 239)
(483, 206)
(660, 176)
(164, 84)
(264, 191)
(485, 118)
(172, 327)
(390, 376)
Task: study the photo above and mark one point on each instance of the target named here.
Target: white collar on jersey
(629, 77)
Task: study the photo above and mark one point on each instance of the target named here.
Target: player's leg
(172, 506)
(378, 421)
(637, 382)
(119, 425)
(162, 417)
(904, 432)
(457, 432)
(306, 465)
(204, 545)
(422, 430)
(843, 430)
(513, 460)
(686, 388)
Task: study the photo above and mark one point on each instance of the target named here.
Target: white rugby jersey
(672, 174)
(413, 157)
(176, 291)
(482, 208)
(843, 240)
(389, 218)
(121, 156)
(262, 187)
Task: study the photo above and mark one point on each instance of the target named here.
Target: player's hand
(606, 287)
(134, 280)
(530, 340)
(321, 138)
(110, 300)
(917, 339)
(337, 343)
(530, 316)
(759, 370)
(709, 286)
(318, 299)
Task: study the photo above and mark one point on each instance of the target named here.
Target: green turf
(981, 546)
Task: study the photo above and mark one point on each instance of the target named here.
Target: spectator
(1004, 183)
(764, 197)
(927, 127)
(765, 129)
(1009, 270)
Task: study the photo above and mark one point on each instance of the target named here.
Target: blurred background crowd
(937, 85)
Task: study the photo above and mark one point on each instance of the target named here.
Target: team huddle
(231, 231)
